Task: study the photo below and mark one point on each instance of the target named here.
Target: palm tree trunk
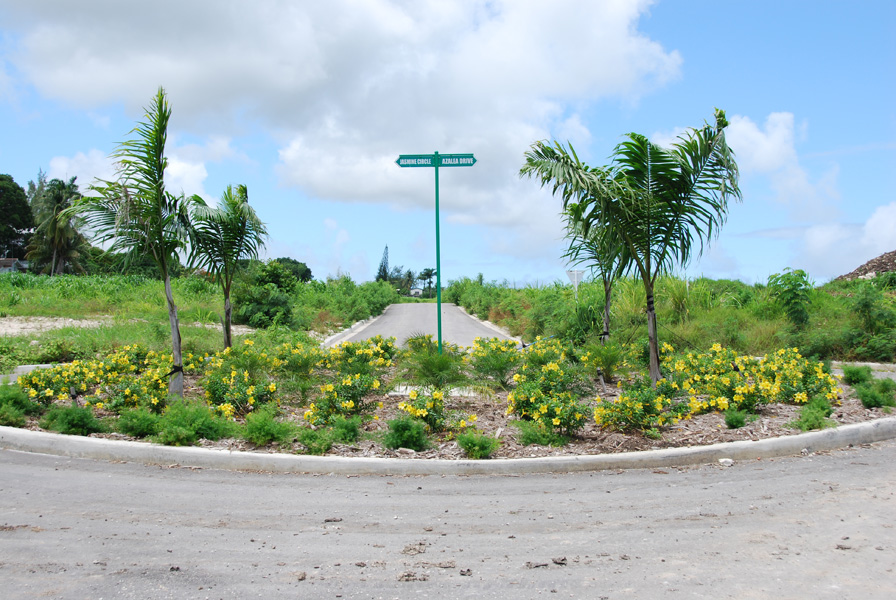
(176, 382)
(228, 310)
(608, 294)
(653, 343)
(53, 264)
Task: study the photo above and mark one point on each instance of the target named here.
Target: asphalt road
(402, 321)
(819, 526)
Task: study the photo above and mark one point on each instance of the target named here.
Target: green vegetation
(406, 433)
(477, 445)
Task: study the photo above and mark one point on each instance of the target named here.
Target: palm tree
(56, 241)
(223, 236)
(662, 204)
(139, 216)
(426, 276)
(601, 253)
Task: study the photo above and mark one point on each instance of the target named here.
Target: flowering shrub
(640, 407)
(346, 398)
(236, 392)
(129, 377)
(494, 359)
(544, 395)
(365, 357)
(543, 351)
(717, 380)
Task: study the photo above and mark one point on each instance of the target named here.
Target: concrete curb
(153, 454)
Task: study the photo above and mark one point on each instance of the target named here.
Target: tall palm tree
(139, 216)
(56, 241)
(663, 204)
(223, 236)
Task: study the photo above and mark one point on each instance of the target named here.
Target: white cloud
(85, 166)
(771, 152)
(347, 85)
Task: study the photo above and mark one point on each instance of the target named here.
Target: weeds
(406, 433)
(477, 445)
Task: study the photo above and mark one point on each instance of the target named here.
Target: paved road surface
(401, 321)
(819, 527)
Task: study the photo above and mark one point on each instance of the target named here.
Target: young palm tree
(662, 204)
(223, 236)
(56, 241)
(139, 216)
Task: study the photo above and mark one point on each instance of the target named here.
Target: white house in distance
(416, 292)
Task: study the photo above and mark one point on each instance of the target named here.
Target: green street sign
(415, 160)
(457, 160)
(436, 160)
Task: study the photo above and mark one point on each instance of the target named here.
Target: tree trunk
(176, 382)
(53, 264)
(652, 341)
(608, 294)
(228, 310)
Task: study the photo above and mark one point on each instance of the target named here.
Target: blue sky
(310, 103)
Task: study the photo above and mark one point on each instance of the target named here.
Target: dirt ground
(15, 326)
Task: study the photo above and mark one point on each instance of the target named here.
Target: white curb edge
(152, 454)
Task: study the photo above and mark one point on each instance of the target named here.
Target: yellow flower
(413, 395)
(556, 421)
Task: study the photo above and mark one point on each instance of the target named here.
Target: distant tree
(140, 217)
(410, 278)
(56, 243)
(382, 274)
(299, 269)
(16, 219)
(36, 189)
(426, 276)
(220, 237)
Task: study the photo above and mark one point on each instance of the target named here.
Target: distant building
(416, 292)
(13, 265)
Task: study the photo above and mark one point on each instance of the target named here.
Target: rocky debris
(885, 263)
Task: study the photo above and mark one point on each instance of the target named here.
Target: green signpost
(437, 160)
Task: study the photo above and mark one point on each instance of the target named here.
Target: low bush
(14, 396)
(316, 441)
(138, 422)
(855, 375)
(493, 360)
(477, 445)
(877, 393)
(10, 416)
(406, 433)
(814, 415)
(183, 423)
(735, 419)
(72, 420)
(346, 430)
(262, 427)
(536, 434)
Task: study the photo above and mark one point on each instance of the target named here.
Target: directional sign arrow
(456, 160)
(415, 160)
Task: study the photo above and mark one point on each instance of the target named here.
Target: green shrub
(262, 427)
(316, 441)
(72, 420)
(855, 375)
(877, 394)
(814, 415)
(14, 396)
(346, 430)
(184, 422)
(536, 434)
(262, 306)
(477, 445)
(429, 369)
(138, 422)
(493, 360)
(604, 357)
(735, 419)
(791, 289)
(10, 416)
(406, 433)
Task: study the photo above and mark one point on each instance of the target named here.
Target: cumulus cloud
(770, 151)
(85, 166)
(347, 85)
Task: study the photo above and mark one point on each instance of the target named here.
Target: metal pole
(436, 160)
